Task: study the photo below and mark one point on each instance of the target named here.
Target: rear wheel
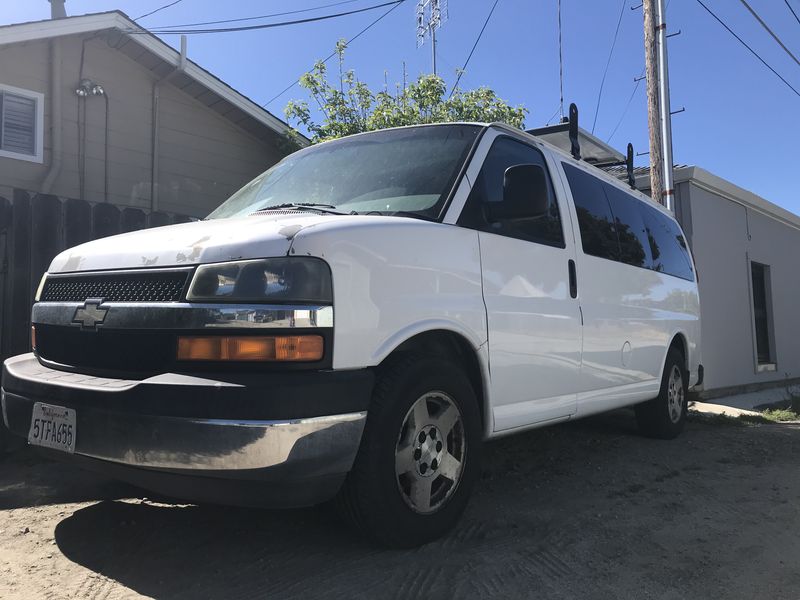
(664, 416)
(420, 454)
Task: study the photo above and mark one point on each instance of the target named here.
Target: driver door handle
(573, 279)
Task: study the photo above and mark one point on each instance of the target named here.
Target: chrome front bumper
(162, 451)
(302, 447)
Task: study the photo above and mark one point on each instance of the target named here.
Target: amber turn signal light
(286, 348)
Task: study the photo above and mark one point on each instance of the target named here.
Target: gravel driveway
(582, 510)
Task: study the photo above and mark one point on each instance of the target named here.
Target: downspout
(55, 116)
(156, 92)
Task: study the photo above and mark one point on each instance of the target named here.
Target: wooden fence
(34, 228)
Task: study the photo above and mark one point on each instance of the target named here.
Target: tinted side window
(598, 234)
(504, 153)
(632, 234)
(667, 244)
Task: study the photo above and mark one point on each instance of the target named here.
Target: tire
(664, 416)
(423, 409)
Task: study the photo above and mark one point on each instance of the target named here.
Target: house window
(21, 123)
(762, 317)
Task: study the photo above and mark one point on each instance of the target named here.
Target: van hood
(256, 236)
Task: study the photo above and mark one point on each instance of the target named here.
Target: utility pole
(659, 120)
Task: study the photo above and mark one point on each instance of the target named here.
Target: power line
(791, 9)
(560, 64)
(152, 12)
(265, 25)
(772, 33)
(743, 43)
(448, 63)
(553, 116)
(627, 106)
(475, 45)
(608, 63)
(332, 54)
(638, 81)
(280, 14)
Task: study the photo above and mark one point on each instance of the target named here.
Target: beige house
(95, 108)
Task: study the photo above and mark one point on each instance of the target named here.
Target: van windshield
(395, 171)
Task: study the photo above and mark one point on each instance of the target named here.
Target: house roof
(159, 57)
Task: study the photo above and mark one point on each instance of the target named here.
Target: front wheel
(664, 416)
(420, 454)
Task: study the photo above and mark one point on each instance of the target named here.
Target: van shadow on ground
(178, 551)
(27, 479)
(584, 509)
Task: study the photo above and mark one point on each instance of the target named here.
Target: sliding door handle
(573, 279)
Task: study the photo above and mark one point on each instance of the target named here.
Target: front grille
(155, 286)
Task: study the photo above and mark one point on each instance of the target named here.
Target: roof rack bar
(629, 166)
(573, 131)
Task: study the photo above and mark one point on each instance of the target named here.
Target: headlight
(304, 280)
(38, 295)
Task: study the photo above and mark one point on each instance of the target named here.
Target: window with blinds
(20, 124)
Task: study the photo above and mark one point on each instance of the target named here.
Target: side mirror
(525, 194)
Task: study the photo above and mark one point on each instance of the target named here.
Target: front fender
(394, 277)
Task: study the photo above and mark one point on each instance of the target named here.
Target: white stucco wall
(727, 233)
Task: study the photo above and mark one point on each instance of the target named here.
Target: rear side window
(598, 234)
(634, 245)
(667, 244)
(617, 226)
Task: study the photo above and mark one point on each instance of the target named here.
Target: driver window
(504, 153)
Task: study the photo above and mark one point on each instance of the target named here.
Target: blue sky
(741, 122)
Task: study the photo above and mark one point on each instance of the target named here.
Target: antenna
(430, 16)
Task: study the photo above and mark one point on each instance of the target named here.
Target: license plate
(52, 427)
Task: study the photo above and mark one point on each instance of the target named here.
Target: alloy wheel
(430, 452)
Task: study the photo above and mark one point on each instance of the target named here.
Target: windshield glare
(409, 170)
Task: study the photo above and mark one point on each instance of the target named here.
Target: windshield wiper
(325, 208)
(403, 213)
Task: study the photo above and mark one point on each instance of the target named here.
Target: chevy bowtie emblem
(90, 315)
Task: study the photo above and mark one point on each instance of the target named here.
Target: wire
(152, 12)
(560, 64)
(608, 63)
(638, 81)
(553, 116)
(280, 14)
(264, 25)
(447, 62)
(627, 106)
(475, 45)
(791, 9)
(743, 43)
(332, 54)
(772, 33)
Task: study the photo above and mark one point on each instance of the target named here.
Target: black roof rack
(582, 145)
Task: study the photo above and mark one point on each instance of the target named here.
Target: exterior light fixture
(87, 87)
(84, 88)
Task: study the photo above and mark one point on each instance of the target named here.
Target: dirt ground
(582, 510)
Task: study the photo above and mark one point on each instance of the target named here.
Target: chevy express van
(355, 322)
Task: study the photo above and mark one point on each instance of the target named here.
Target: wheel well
(679, 344)
(452, 346)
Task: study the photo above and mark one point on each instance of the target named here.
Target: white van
(356, 321)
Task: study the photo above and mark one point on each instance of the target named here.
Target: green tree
(348, 106)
